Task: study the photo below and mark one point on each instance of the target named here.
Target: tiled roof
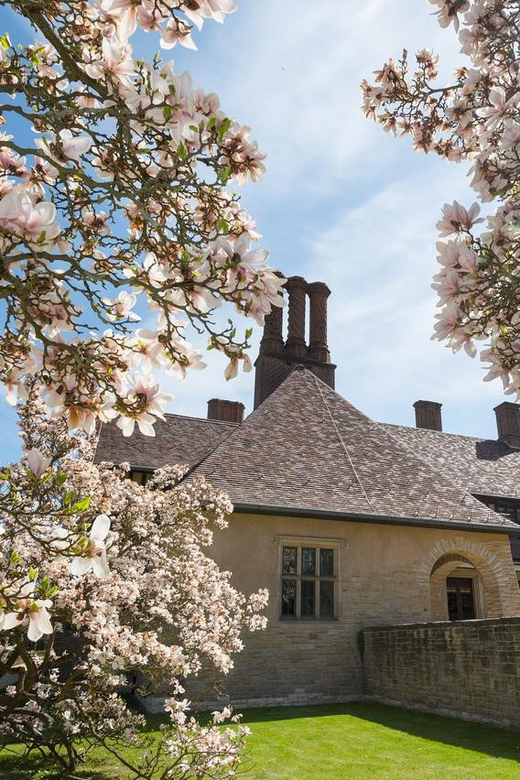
(307, 449)
(178, 439)
(480, 466)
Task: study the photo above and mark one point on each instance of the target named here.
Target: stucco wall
(383, 578)
(470, 669)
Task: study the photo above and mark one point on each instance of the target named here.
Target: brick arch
(495, 574)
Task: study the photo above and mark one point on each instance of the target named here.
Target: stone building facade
(348, 522)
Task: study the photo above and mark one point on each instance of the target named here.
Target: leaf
(182, 152)
(81, 506)
(61, 477)
(225, 174)
(222, 225)
(224, 127)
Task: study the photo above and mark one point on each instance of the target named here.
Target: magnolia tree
(110, 581)
(113, 195)
(476, 118)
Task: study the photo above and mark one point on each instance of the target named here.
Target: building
(348, 522)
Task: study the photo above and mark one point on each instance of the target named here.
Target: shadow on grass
(489, 740)
(32, 767)
(486, 740)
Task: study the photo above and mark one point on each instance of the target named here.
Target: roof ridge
(431, 431)
(342, 442)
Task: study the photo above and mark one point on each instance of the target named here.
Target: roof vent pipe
(428, 415)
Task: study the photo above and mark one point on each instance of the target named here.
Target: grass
(342, 741)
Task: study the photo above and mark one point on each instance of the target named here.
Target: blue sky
(342, 202)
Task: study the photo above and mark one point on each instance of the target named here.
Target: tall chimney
(226, 411)
(295, 345)
(428, 415)
(508, 423)
(272, 340)
(318, 349)
(275, 362)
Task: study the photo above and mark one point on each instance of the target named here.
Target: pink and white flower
(456, 219)
(38, 465)
(94, 557)
(32, 610)
(148, 401)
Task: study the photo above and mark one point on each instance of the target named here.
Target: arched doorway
(495, 588)
(456, 589)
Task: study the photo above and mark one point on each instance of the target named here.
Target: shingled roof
(178, 439)
(306, 450)
(481, 466)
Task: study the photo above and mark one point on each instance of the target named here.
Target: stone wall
(469, 669)
(383, 577)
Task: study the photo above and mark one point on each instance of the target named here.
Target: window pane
(289, 598)
(308, 560)
(327, 563)
(326, 599)
(289, 560)
(308, 598)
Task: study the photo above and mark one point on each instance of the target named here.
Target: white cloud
(292, 71)
(378, 258)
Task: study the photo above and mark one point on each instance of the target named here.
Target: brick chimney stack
(226, 411)
(508, 423)
(295, 345)
(276, 360)
(428, 415)
(318, 349)
(272, 340)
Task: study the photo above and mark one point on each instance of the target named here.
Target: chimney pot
(508, 423)
(295, 346)
(428, 415)
(272, 339)
(226, 411)
(318, 349)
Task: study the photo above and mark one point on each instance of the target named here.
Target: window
(461, 605)
(309, 576)
(511, 510)
(140, 476)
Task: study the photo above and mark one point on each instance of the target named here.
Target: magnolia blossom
(68, 147)
(34, 220)
(94, 557)
(115, 196)
(474, 118)
(161, 585)
(30, 612)
(146, 402)
(457, 219)
(37, 463)
(121, 307)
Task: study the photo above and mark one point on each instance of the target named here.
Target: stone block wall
(469, 669)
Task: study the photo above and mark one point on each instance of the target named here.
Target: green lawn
(361, 741)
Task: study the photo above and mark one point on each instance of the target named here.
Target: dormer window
(141, 476)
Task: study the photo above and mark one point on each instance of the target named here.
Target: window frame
(144, 473)
(316, 543)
